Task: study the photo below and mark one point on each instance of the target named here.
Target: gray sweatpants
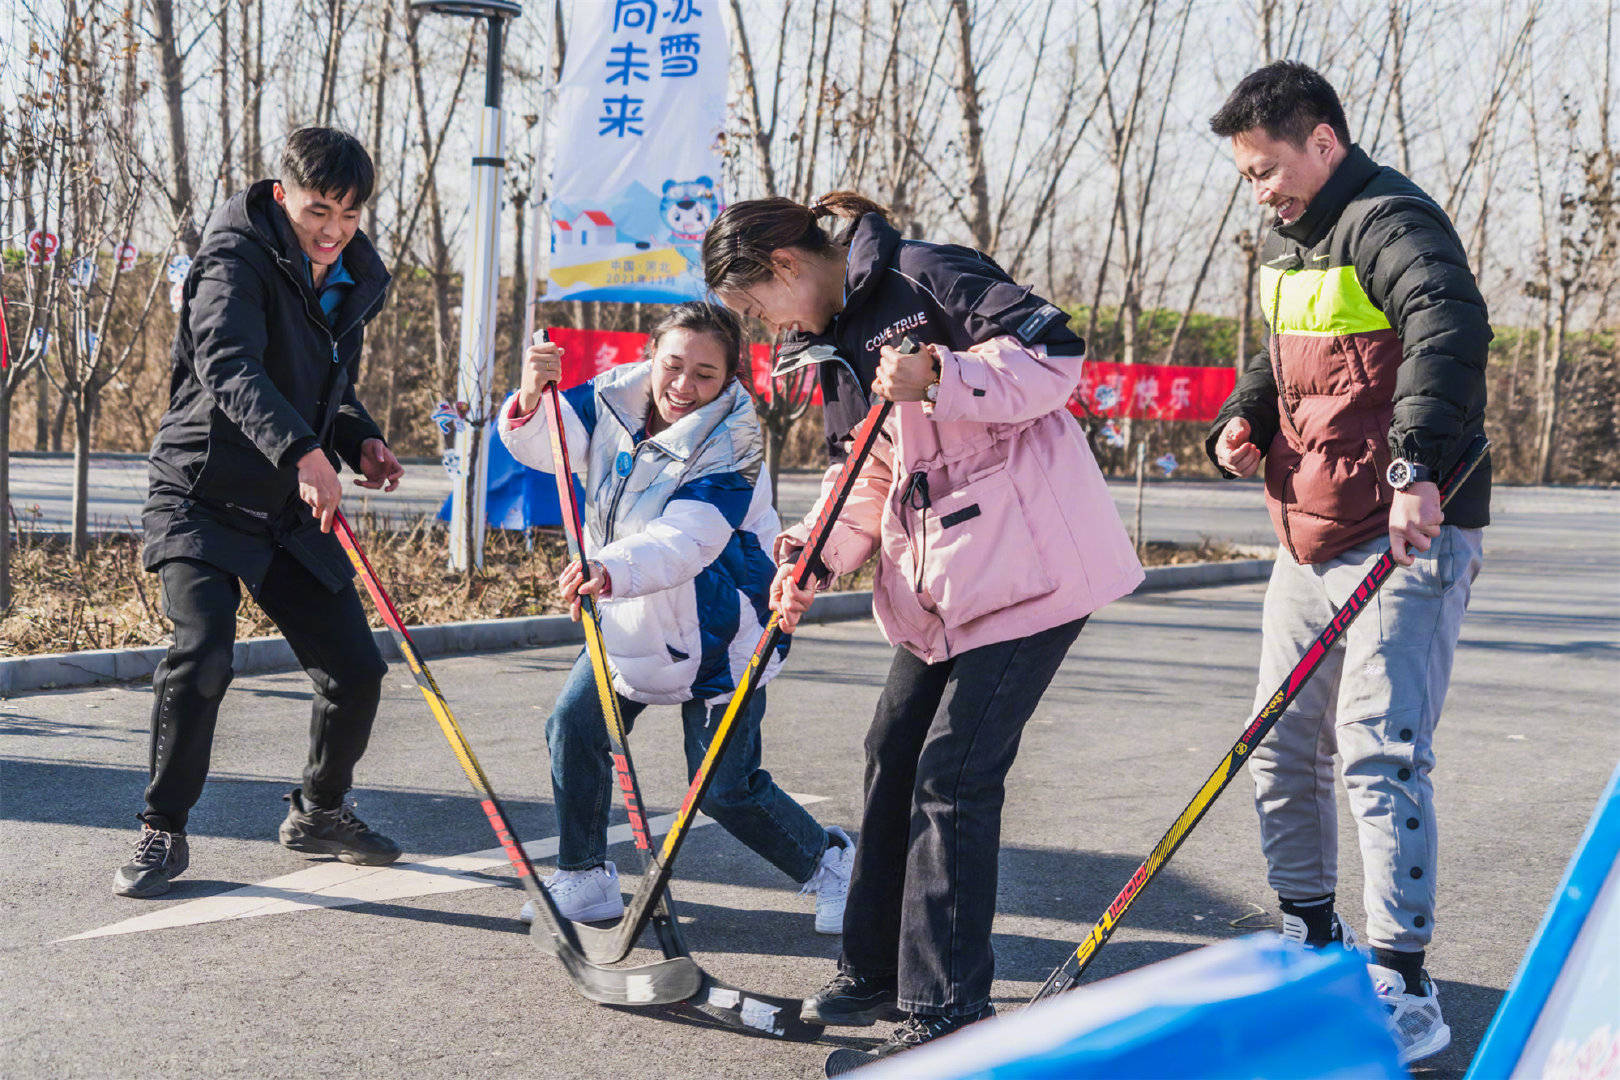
(1375, 701)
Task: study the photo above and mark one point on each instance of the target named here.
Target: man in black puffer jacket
(244, 487)
(1369, 388)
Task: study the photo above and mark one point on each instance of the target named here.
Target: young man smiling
(1368, 389)
(244, 488)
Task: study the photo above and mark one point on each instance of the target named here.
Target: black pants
(328, 634)
(923, 893)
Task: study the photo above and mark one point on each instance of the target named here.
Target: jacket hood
(627, 392)
(1349, 178)
(254, 215)
(872, 245)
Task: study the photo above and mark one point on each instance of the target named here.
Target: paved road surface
(41, 491)
(428, 974)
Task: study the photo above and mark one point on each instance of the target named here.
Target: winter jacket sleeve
(352, 428)
(990, 305)
(1002, 381)
(229, 334)
(1253, 398)
(695, 527)
(528, 438)
(855, 535)
(1415, 270)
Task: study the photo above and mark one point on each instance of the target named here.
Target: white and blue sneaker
(1293, 929)
(583, 895)
(830, 882)
(1414, 1019)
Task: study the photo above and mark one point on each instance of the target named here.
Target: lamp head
(471, 9)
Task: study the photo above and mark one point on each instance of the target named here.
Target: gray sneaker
(160, 857)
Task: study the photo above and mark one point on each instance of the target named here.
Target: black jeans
(923, 894)
(328, 634)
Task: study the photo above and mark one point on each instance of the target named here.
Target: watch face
(1399, 474)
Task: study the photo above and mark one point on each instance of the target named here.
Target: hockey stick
(1068, 973)
(744, 1010)
(668, 980)
(606, 946)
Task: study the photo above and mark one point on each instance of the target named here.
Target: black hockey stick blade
(846, 1059)
(609, 945)
(752, 1013)
(666, 982)
(1067, 974)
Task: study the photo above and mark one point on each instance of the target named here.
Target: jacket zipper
(618, 494)
(1282, 402)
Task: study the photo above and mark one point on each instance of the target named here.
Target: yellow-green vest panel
(1318, 302)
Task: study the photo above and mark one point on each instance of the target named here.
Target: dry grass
(109, 602)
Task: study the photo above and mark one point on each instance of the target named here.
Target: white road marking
(338, 884)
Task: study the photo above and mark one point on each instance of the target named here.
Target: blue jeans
(742, 797)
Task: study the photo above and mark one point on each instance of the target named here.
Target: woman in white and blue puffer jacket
(678, 527)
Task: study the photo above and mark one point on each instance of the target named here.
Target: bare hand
(788, 600)
(904, 376)
(1415, 518)
(542, 365)
(379, 466)
(1233, 450)
(319, 487)
(573, 585)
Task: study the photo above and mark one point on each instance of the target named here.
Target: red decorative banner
(588, 353)
(1152, 391)
(1139, 391)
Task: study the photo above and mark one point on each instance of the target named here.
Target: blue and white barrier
(1255, 1007)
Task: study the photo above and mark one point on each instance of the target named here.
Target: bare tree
(182, 198)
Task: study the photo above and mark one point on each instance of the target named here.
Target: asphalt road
(42, 487)
(427, 972)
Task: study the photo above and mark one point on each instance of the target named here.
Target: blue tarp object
(1561, 1014)
(519, 497)
(1257, 1007)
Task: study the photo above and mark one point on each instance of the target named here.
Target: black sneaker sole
(156, 885)
(310, 845)
(886, 1010)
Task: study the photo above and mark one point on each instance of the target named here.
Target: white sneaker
(583, 895)
(1293, 929)
(1414, 1020)
(830, 883)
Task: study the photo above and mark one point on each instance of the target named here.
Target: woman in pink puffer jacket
(996, 539)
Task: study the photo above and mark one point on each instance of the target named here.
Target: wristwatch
(931, 391)
(1402, 474)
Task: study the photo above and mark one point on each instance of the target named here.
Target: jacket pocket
(973, 546)
(240, 478)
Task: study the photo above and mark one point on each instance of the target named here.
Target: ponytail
(737, 247)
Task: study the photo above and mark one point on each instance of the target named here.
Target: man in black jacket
(244, 488)
(1368, 389)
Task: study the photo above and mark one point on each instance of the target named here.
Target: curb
(267, 655)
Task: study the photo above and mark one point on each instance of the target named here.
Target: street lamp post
(480, 281)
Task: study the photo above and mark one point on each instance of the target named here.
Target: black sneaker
(852, 1001)
(334, 832)
(160, 857)
(912, 1032)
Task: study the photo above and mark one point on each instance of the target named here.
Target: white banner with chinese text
(636, 180)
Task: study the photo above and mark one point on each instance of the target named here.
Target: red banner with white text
(1152, 391)
(1138, 391)
(588, 353)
